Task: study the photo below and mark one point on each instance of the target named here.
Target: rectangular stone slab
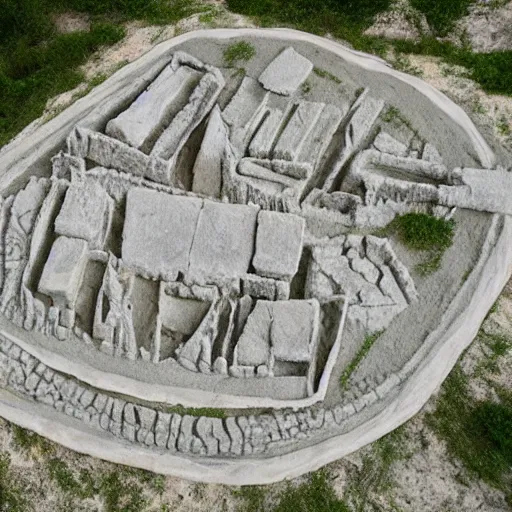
(150, 111)
(298, 128)
(292, 329)
(224, 240)
(286, 72)
(279, 242)
(208, 165)
(320, 136)
(262, 142)
(159, 230)
(63, 272)
(85, 213)
(248, 167)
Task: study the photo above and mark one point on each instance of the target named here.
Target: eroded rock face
(222, 238)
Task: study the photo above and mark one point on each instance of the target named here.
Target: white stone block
(279, 242)
(63, 272)
(286, 72)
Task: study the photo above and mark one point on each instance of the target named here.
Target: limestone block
(204, 429)
(67, 318)
(200, 103)
(294, 135)
(244, 112)
(174, 431)
(224, 239)
(363, 120)
(220, 366)
(297, 170)
(482, 189)
(253, 347)
(154, 107)
(292, 329)
(86, 213)
(32, 381)
(250, 167)
(319, 138)
(388, 144)
(259, 287)
(162, 429)
(208, 165)
(263, 140)
(182, 315)
(282, 290)
(286, 72)
(431, 154)
(185, 436)
(63, 272)
(248, 99)
(279, 240)
(158, 231)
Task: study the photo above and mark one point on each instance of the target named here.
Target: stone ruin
(231, 240)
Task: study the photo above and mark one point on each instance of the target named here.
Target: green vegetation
(375, 476)
(361, 354)
(322, 73)
(476, 433)
(497, 346)
(236, 52)
(30, 441)
(423, 232)
(442, 15)
(306, 87)
(493, 71)
(119, 496)
(196, 411)
(314, 495)
(345, 20)
(31, 71)
(11, 499)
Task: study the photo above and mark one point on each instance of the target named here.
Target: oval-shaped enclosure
(197, 271)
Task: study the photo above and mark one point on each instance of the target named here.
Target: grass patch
(361, 354)
(30, 74)
(476, 433)
(442, 15)
(374, 477)
(252, 497)
(156, 12)
(345, 20)
(236, 52)
(498, 346)
(493, 71)
(423, 232)
(84, 487)
(196, 411)
(322, 73)
(11, 497)
(315, 495)
(119, 496)
(30, 441)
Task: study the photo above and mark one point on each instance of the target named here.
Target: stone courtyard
(197, 235)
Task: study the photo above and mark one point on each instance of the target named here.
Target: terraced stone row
(205, 436)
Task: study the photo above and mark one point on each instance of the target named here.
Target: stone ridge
(233, 436)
